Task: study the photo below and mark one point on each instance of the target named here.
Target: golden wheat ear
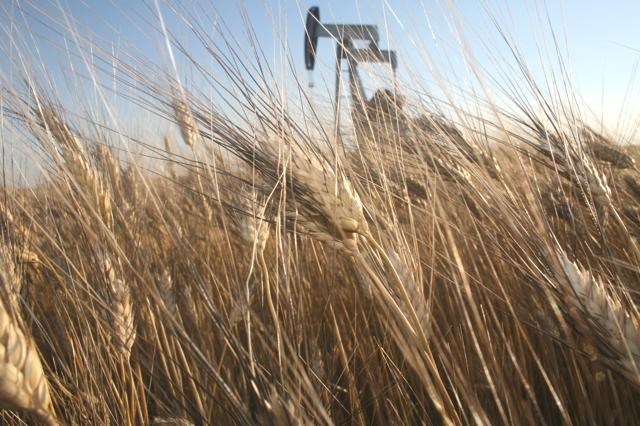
(186, 122)
(603, 149)
(23, 384)
(327, 206)
(74, 163)
(614, 330)
(121, 309)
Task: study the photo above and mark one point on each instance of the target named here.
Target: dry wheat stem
(170, 421)
(168, 147)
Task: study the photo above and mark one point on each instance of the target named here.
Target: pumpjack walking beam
(345, 35)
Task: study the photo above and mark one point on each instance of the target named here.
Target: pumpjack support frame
(345, 36)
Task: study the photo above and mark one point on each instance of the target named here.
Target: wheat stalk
(168, 147)
(170, 421)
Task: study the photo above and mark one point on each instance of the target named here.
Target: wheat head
(23, 384)
(616, 332)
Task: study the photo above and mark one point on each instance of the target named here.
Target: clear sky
(599, 41)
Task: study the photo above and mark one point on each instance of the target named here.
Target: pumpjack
(347, 36)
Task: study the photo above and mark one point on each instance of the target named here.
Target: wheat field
(431, 266)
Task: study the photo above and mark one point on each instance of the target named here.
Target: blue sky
(599, 41)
